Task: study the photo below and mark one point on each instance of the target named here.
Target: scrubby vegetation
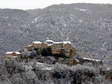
(43, 70)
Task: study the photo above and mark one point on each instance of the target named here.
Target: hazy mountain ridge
(13, 28)
(88, 26)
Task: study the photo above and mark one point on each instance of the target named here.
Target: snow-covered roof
(11, 52)
(36, 42)
(57, 42)
(17, 52)
(8, 52)
(91, 59)
(66, 42)
(49, 41)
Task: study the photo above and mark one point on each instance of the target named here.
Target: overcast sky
(32, 4)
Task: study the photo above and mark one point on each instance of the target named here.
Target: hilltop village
(59, 50)
(56, 58)
(63, 52)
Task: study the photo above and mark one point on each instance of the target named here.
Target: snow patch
(81, 9)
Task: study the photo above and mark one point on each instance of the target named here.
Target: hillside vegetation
(87, 26)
